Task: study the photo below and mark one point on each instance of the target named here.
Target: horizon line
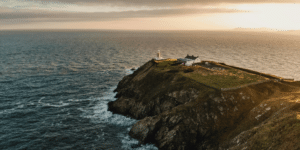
(270, 30)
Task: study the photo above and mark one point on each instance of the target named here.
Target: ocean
(55, 84)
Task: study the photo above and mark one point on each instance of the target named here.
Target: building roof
(185, 59)
(191, 57)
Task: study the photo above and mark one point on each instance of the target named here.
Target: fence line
(234, 88)
(218, 89)
(253, 72)
(254, 83)
(271, 77)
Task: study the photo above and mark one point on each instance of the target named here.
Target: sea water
(55, 85)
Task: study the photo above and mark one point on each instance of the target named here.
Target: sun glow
(276, 16)
(210, 17)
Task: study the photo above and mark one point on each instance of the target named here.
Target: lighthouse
(158, 54)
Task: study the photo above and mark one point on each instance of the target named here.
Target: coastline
(175, 112)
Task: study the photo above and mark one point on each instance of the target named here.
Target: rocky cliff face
(177, 113)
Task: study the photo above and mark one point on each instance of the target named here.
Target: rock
(133, 68)
(145, 129)
(177, 113)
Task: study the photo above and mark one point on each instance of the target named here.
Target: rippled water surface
(55, 85)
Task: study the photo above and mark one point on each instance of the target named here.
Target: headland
(209, 105)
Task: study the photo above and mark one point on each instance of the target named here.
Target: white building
(188, 61)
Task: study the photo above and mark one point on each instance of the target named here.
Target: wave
(16, 109)
(7, 111)
(61, 103)
(101, 114)
(131, 144)
(129, 71)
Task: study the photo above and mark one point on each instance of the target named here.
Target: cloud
(38, 15)
(166, 3)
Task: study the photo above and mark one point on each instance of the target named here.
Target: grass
(166, 65)
(225, 79)
(219, 79)
(278, 134)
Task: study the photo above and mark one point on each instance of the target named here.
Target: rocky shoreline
(177, 113)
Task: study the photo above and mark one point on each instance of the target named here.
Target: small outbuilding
(189, 60)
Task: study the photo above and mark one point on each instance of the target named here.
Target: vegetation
(166, 65)
(226, 78)
(278, 134)
(216, 78)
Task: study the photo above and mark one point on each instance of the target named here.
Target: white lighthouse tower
(158, 54)
(158, 57)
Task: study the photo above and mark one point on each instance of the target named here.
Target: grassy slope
(215, 78)
(272, 124)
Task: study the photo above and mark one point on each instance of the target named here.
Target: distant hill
(290, 32)
(256, 29)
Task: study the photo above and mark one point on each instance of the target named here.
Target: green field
(219, 79)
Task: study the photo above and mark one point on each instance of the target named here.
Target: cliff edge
(177, 111)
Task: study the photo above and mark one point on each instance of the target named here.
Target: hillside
(185, 108)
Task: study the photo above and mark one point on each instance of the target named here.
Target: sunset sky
(150, 14)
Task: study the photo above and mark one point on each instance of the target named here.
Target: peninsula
(209, 106)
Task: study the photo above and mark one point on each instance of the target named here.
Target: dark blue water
(55, 85)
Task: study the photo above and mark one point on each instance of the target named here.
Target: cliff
(177, 111)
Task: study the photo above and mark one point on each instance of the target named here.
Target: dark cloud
(103, 16)
(165, 3)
